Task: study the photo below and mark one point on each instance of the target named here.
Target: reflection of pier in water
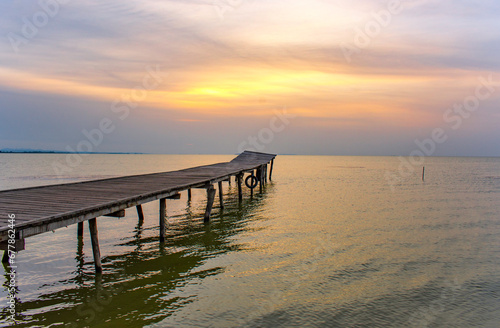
(42, 209)
(151, 273)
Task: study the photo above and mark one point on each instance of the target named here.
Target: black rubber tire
(254, 181)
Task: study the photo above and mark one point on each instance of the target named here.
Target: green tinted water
(327, 244)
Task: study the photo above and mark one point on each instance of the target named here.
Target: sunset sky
(297, 77)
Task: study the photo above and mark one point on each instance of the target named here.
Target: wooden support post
(210, 202)
(229, 180)
(265, 173)
(174, 196)
(259, 177)
(140, 214)
(239, 178)
(163, 214)
(271, 170)
(79, 230)
(118, 214)
(95, 245)
(5, 258)
(189, 194)
(251, 189)
(221, 200)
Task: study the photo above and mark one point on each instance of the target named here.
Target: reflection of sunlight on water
(331, 246)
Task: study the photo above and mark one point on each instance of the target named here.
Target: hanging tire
(251, 181)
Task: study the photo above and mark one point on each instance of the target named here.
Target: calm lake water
(328, 243)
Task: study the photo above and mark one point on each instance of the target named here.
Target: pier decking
(47, 208)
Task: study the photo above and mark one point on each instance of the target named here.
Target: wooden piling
(271, 170)
(79, 229)
(239, 179)
(163, 214)
(140, 214)
(95, 245)
(251, 189)
(5, 257)
(210, 202)
(423, 173)
(259, 178)
(221, 201)
(264, 173)
(80, 257)
(46, 209)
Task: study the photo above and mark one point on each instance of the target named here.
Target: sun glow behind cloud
(261, 55)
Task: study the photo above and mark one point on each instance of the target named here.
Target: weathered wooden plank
(50, 223)
(47, 208)
(19, 245)
(176, 196)
(117, 214)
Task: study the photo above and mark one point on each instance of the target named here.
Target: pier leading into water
(47, 208)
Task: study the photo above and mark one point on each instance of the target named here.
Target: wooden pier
(47, 208)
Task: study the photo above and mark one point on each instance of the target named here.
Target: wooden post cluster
(143, 189)
(260, 173)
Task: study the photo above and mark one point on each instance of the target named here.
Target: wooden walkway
(47, 208)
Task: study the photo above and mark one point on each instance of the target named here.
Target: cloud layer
(368, 77)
